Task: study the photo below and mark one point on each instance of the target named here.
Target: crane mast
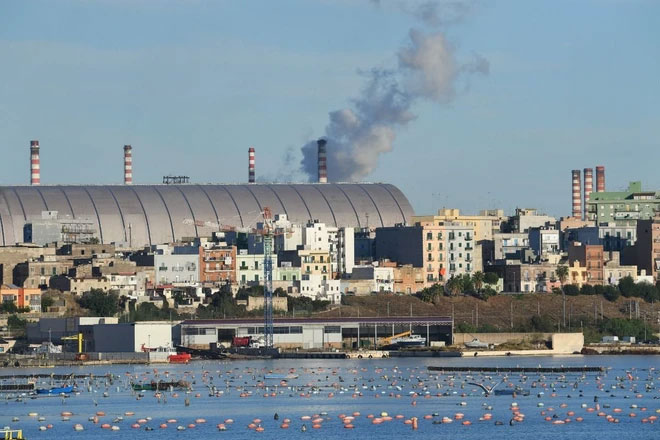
(268, 278)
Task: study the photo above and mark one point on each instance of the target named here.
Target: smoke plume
(427, 69)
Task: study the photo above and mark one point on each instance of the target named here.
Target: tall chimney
(577, 196)
(588, 188)
(128, 165)
(35, 169)
(322, 158)
(251, 165)
(600, 178)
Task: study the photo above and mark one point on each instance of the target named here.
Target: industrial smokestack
(600, 178)
(251, 165)
(322, 158)
(35, 169)
(577, 197)
(128, 165)
(588, 188)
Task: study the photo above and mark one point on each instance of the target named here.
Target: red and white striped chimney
(35, 167)
(600, 178)
(323, 161)
(577, 196)
(588, 188)
(128, 165)
(251, 165)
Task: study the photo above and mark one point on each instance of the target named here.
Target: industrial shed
(138, 215)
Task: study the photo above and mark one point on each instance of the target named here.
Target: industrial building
(139, 215)
(326, 333)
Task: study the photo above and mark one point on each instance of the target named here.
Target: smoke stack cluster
(600, 178)
(588, 188)
(35, 170)
(128, 165)
(251, 165)
(322, 158)
(577, 194)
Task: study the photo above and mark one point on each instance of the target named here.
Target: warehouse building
(314, 333)
(139, 215)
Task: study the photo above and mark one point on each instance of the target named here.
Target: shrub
(571, 289)
(611, 293)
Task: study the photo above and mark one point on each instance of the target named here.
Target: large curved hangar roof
(154, 214)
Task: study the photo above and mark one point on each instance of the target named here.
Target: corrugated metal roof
(154, 214)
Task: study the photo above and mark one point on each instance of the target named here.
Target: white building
(176, 264)
(315, 287)
(250, 268)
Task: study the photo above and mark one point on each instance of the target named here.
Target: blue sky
(192, 84)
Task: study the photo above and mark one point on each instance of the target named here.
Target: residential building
(544, 241)
(589, 257)
(365, 245)
(527, 278)
(485, 225)
(36, 273)
(623, 207)
(613, 270)
(21, 297)
(509, 245)
(177, 264)
(524, 219)
(217, 264)
(647, 248)
(250, 268)
(443, 249)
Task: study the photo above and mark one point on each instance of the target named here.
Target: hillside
(501, 312)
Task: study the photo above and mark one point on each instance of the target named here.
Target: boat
(160, 386)
(476, 343)
(280, 376)
(409, 341)
(56, 390)
(179, 358)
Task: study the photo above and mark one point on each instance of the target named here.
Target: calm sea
(224, 390)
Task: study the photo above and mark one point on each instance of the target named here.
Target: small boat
(410, 341)
(179, 358)
(476, 343)
(56, 390)
(280, 376)
(160, 386)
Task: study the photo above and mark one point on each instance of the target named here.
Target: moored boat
(56, 390)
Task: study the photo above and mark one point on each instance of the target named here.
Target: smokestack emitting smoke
(600, 178)
(128, 165)
(588, 188)
(322, 159)
(251, 165)
(427, 69)
(35, 166)
(577, 196)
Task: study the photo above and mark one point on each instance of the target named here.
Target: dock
(475, 369)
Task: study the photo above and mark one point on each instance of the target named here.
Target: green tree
(455, 285)
(100, 303)
(46, 303)
(571, 289)
(542, 323)
(478, 280)
(627, 287)
(562, 274)
(587, 289)
(491, 278)
(647, 291)
(15, 323)
(429, 294)
(611, 293)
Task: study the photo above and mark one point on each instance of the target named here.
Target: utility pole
(511, 313)
(477, 310)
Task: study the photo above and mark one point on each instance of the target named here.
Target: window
(283, 277)
(331, 329)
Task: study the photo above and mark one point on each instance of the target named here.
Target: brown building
(217, 264)
(37, 273)
(591, 258)
(647, 247)
(408, 279)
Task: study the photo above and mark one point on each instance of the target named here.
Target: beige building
(487, 223)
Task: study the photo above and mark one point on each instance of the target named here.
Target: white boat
(410, 341)
(476, 343)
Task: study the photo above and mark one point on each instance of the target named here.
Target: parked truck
(246, 342)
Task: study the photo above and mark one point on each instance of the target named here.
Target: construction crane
(78, 337)
(268, 277)
(388, 340)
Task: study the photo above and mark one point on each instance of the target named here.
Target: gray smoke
(427, 69)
